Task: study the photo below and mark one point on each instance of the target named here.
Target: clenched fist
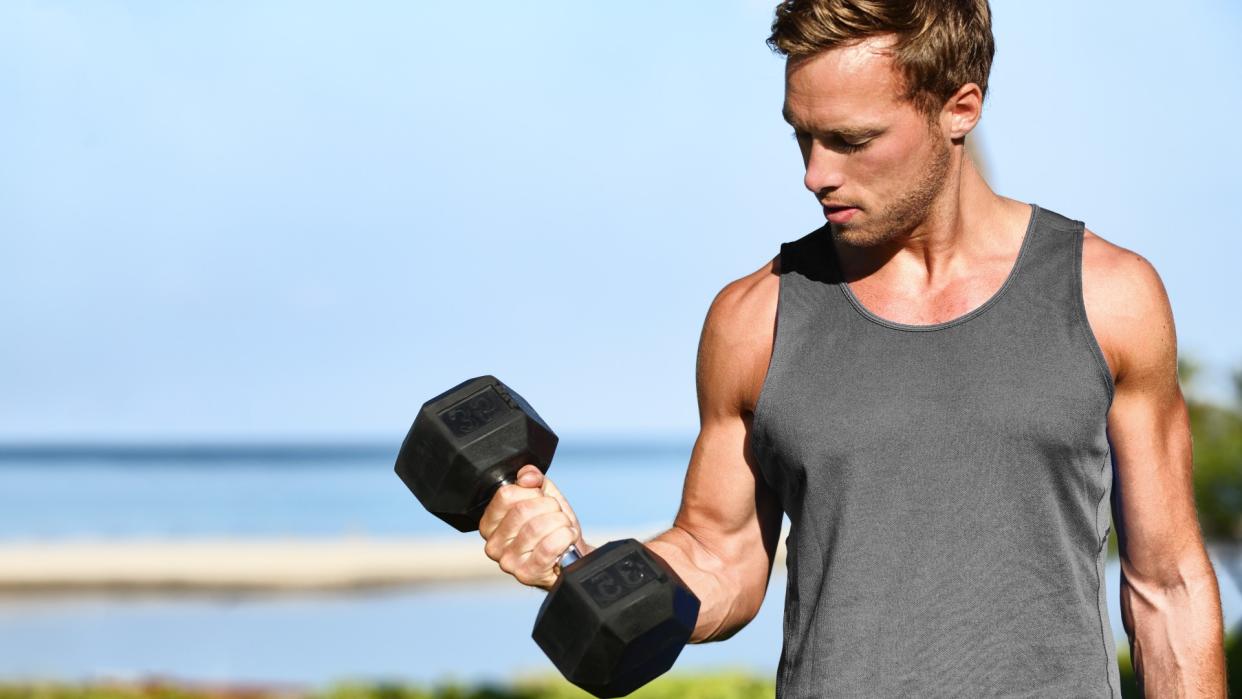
(528, 526)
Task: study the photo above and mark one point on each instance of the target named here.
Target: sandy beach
(249, 565)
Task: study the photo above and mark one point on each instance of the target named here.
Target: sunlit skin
(928, 228)
(929, 242)
(862, 146)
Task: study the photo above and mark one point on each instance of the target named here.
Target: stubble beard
(910, 209)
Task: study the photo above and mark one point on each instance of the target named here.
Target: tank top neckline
(1013, 274)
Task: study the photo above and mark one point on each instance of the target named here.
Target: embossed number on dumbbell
(472, 413)
(619, 579)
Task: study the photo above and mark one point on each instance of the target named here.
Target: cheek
(901, 158)
(883, 162)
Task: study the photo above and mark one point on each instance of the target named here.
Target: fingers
(533, 535)
(504, 499)
(527, 526)
(532, 555)
(529, 483)
(549, 489)
(529, 476)
(515, 520)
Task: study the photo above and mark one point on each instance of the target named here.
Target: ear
(962, 111)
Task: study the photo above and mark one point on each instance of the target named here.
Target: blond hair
(940, 45)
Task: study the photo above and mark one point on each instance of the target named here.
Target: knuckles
(506, 496)
(527, 508)
(549, 547)
(530, 556)
(493, 549)
(536, 530)
(525, 531)
(509, 500)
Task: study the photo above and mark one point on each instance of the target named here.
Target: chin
(852, 233)
(862, 236)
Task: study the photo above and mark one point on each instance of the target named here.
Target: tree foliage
(1216, 431)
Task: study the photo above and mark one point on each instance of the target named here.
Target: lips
(840, 214)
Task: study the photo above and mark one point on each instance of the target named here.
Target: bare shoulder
(748, 299)
(1127, 306)
(737, 339)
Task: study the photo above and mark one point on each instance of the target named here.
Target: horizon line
(292, 449)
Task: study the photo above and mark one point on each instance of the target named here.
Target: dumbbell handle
(569, 557)
(571, 554)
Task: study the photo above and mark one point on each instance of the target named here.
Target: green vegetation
(721, 685)
(718, 685)
(1217, 435)
(731, 685)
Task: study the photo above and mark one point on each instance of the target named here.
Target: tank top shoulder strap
(810, 256)
(1046, 264)
(1048, 288)
(809, 284)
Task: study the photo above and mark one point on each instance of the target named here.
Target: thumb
(549, 488)
(529, 476)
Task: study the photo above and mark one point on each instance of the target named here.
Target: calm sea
(465, 631)
(281, 490)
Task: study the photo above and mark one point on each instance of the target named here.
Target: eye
(834, 142)
(849, 147)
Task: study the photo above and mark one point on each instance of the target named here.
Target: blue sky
(300, 220)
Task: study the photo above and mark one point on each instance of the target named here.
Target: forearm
(1176, 635)
(726, 605)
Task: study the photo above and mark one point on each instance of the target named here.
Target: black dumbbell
(615, 619)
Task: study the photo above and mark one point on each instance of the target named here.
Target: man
(944, 389)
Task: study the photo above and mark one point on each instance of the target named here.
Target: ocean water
(327, 490)
(476, 631)
(471, 631)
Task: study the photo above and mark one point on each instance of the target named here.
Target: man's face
(863, 145)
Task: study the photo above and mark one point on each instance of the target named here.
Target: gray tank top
(947, 485)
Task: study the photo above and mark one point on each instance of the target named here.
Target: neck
(963, 223)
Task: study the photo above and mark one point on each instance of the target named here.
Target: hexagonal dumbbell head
(465, 443)
(616, 619)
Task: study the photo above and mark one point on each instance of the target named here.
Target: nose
(824, 169)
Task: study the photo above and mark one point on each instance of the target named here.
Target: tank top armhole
(1080, 310)
(775, 359)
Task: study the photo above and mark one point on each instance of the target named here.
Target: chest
(901, 412)
(912, 305)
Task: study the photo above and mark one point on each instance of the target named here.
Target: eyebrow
(854, 132)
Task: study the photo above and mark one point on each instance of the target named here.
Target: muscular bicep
(723, 541)
(726, 504)
(1149, 431)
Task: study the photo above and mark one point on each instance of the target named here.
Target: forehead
(846, 84)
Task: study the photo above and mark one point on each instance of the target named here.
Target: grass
(718, 685)
(722, 685)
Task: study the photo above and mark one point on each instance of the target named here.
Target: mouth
(840, 214)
